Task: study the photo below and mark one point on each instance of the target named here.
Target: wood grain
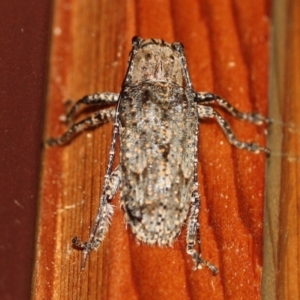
(281, 265)
(226, 44)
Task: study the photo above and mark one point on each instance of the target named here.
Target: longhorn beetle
(156, 119)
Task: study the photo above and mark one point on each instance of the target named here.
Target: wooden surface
(226, 44)
(281, 264)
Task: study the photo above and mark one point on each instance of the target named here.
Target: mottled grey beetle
(157, 118)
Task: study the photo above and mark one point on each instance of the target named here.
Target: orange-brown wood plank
(282, 227)
(226, 45)
(289, 216)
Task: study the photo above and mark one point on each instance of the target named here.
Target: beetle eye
(177, 46)
(136, 41)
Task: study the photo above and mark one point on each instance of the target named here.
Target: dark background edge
(24, 39)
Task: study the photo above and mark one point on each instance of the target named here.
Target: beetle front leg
(94, 99)
(209, 98)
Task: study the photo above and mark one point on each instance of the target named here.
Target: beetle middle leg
(100, 117)
(209, 112)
